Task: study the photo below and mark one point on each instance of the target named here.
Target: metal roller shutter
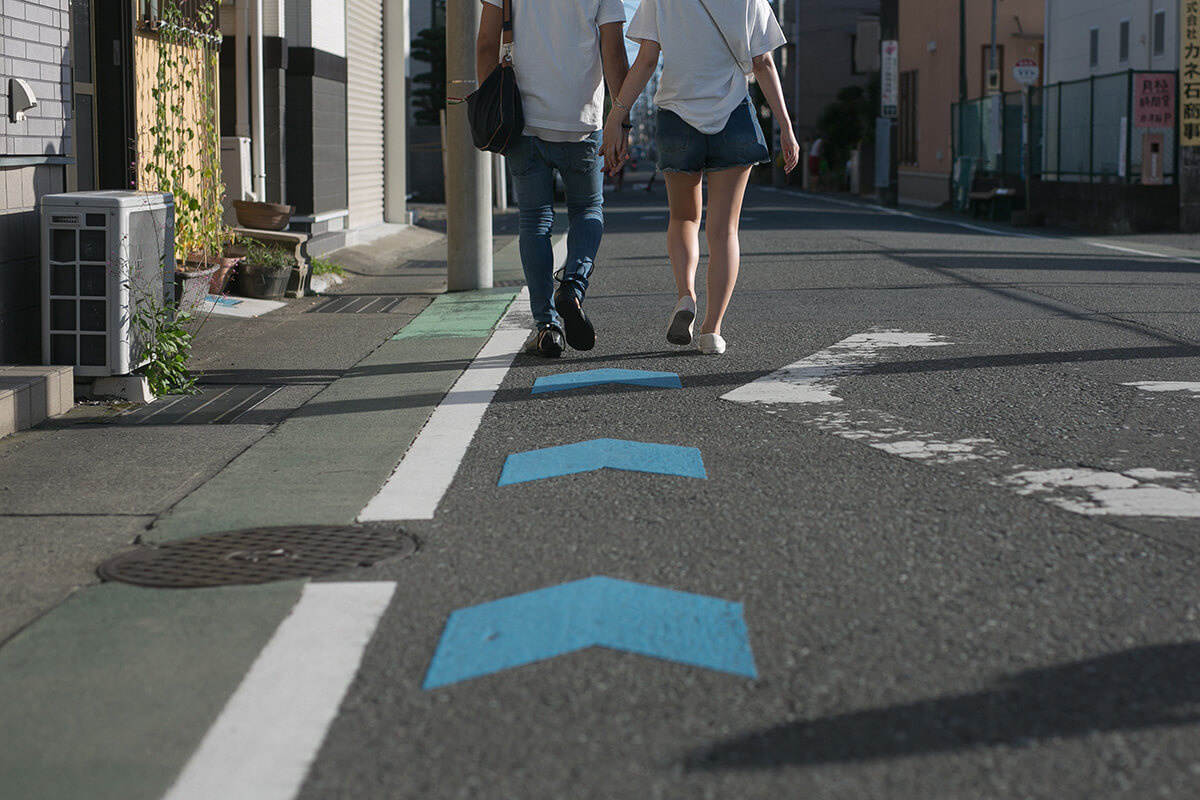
(364, 113)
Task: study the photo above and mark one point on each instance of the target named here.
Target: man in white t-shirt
(563, 53)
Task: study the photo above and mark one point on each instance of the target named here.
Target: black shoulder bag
(494, 109)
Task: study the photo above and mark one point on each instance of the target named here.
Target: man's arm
(612, 53)
(487, 44)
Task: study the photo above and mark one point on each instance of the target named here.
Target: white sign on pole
(889, 78)
(1025, 71)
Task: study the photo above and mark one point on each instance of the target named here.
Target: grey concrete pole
(469, 171)
(395, 111)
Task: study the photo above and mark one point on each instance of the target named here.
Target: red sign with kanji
(1154, 100)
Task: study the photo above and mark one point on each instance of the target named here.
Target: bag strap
(720, 30)
(506, 34)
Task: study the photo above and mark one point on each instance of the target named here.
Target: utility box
(235, 173)
(106, 257)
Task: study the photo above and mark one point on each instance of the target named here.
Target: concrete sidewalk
(86, 485)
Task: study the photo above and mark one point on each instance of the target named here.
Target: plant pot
(263, 216)
(263, 283)
(191, 287)
(220, 279)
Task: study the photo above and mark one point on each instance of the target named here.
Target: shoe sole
(579, 331)
(680, 330)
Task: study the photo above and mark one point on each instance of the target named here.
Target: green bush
(321, 266)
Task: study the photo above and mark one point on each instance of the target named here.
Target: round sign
(1025, 71)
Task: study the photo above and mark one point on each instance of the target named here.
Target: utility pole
(962, 54)
(468, 176)
(889, 35)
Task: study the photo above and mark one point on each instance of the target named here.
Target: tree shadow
(1133, 690)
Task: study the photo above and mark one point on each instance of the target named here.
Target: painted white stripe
(420, 480)
(1144, 253)
(810, 380)
(265, 740)
(418, 483)
(1167, 386)
(1124, 494)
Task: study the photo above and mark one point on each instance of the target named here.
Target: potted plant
(265, 269)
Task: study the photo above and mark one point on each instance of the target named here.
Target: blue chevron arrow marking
(652, 621)
(599, 377)
(550, 462)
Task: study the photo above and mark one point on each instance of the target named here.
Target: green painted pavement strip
(461, 314)
(323, 464)
(109, 695)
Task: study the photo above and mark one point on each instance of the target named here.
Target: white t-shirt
(701, 81)
(556, 55)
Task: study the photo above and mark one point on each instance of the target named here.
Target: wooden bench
(992, 196)
(299, 284)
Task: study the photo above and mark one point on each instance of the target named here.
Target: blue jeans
(533, 163)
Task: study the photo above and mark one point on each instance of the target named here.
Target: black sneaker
(547, 342)
(580, 333)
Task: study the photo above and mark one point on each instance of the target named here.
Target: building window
(907, 137)
(1123, 51)
(1160, 33)
(1094, 50)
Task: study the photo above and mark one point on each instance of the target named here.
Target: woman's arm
(635, 81)
(768, 81)
(487, 43)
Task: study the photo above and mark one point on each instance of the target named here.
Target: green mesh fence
(1079, 130)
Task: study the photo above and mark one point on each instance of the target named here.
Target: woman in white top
(705, 124)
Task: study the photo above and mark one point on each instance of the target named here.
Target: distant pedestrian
(815, 156)
(563, 54)
(706, 125)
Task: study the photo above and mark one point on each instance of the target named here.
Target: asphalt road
(966, 570)
(920, 630)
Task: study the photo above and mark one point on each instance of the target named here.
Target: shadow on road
(1139, 689)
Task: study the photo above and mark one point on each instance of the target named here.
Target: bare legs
(726, 189)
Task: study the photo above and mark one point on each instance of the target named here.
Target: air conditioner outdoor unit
(106, 256)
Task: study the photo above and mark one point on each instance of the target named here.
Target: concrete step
(30, 394)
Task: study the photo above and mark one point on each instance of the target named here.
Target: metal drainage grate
(213, 405)
(257, 555)
(507, 284)
(360, 304)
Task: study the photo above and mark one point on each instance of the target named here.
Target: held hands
(616, 143)
(791, 148)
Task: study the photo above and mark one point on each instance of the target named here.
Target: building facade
(930, 79)
(1099, 37)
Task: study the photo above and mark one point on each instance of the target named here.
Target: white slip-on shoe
(679, 328)
(710, 344)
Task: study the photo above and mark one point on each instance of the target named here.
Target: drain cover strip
(360, 304)
(257, 555)
(214, 405)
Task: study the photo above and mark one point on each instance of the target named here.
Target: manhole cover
(257, 555)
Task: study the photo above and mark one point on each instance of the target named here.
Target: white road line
(265, 740)
(982, 229)
(810, 380)
(421, 479)
(1167, 386)
(1144, 253)
(426, 471)
(1140, 492)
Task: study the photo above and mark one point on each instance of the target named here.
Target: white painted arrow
(811, 379)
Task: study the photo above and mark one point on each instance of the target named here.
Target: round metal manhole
(257, 555)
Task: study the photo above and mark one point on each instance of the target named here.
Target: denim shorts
(682, 148)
